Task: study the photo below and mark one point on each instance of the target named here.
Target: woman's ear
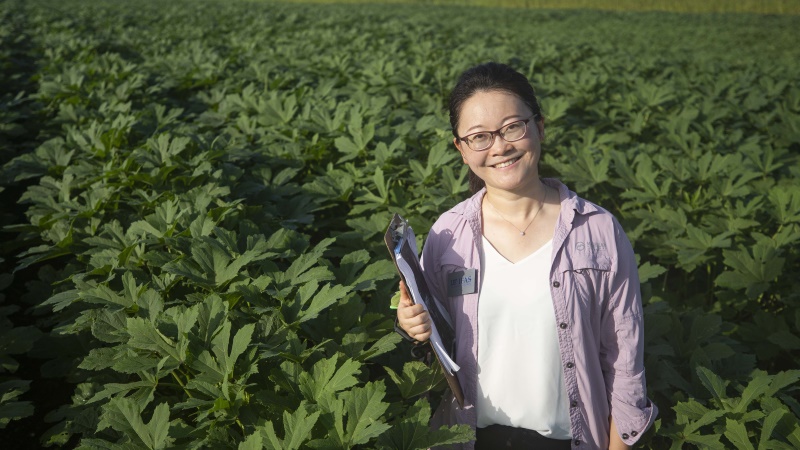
(457, 143)
(540, 128)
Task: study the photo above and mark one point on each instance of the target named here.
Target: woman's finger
(415, 313)
(420, 328)
(409, 310)
(417, 324)
(421, 333)
(422, 337)
(404, 295)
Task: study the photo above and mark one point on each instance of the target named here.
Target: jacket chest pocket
(586, 281)
(457, 282)
(448, 265)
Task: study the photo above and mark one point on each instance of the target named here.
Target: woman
(549, 338)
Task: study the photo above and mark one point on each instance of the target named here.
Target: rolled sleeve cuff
(632, 411)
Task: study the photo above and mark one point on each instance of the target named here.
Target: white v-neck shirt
(520, 381)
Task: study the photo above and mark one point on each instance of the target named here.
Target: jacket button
(570, 365)
(625, 436)
(577, 442)
(633, 433)
(563, 325)
(573, 403)
(556, 284)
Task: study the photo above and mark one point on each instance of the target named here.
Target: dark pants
(496, 437)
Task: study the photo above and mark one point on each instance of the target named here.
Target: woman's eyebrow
(504, 119)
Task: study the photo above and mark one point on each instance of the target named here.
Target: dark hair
(490, 76)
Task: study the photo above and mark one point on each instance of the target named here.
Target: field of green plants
(680, 6)
(193, 196)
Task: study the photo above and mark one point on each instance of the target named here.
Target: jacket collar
(570, 203)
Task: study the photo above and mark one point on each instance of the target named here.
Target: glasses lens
(480, 141)
(514, 131)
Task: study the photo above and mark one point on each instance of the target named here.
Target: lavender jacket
(598, 315)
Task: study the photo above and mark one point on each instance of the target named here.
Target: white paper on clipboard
(405, 254)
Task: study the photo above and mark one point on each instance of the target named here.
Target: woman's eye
(480, 137)
(514, 126)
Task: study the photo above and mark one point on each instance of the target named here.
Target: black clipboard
(445, 330)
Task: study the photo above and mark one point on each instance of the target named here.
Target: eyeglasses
(511, 132)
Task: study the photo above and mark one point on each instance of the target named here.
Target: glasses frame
(496, 133)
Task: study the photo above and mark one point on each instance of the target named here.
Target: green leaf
(704, 326)
(227, 358)
(326, 297)
(710, 441)
(416, 379)
(13, 410)
(111, 326)
(325, 378)
(131, 363)
(785, 339)
(387, 343)
(62, 299)
(184, 318)
(354, 418)
(99, 358)
(649, 271)
(737, 434)
(211, 263)
(353, 343)
(130, 289)
(756, 388)
(272, 441)
(751, 416)
(253, 442)
(708, 418)
(364, 407)
(121, 414)
(12, 389)
(301, 264)
(145, 336)
(212, 314)
(752, 269)
(715, 385)
(693, 250)
(18, 340)
(240, 343)
(379, 270)
(717, 351)
(691, 410)
(111, 389)
(414, 432)
(145, 229)
(781, 380)
(351, 264)
(298, 426)
(770, 422)
(348, 148)
(394, 303)
(159, 426)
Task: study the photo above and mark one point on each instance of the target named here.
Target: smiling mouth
(506, 163)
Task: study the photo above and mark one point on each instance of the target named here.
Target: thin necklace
(521, 232)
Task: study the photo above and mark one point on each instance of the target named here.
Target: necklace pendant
(522, 233)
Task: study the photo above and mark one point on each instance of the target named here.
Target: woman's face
(507, 166)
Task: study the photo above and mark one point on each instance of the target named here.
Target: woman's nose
(500, 146)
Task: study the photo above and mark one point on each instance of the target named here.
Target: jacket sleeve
(622, 346)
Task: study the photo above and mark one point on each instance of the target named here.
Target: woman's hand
(413, 319)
